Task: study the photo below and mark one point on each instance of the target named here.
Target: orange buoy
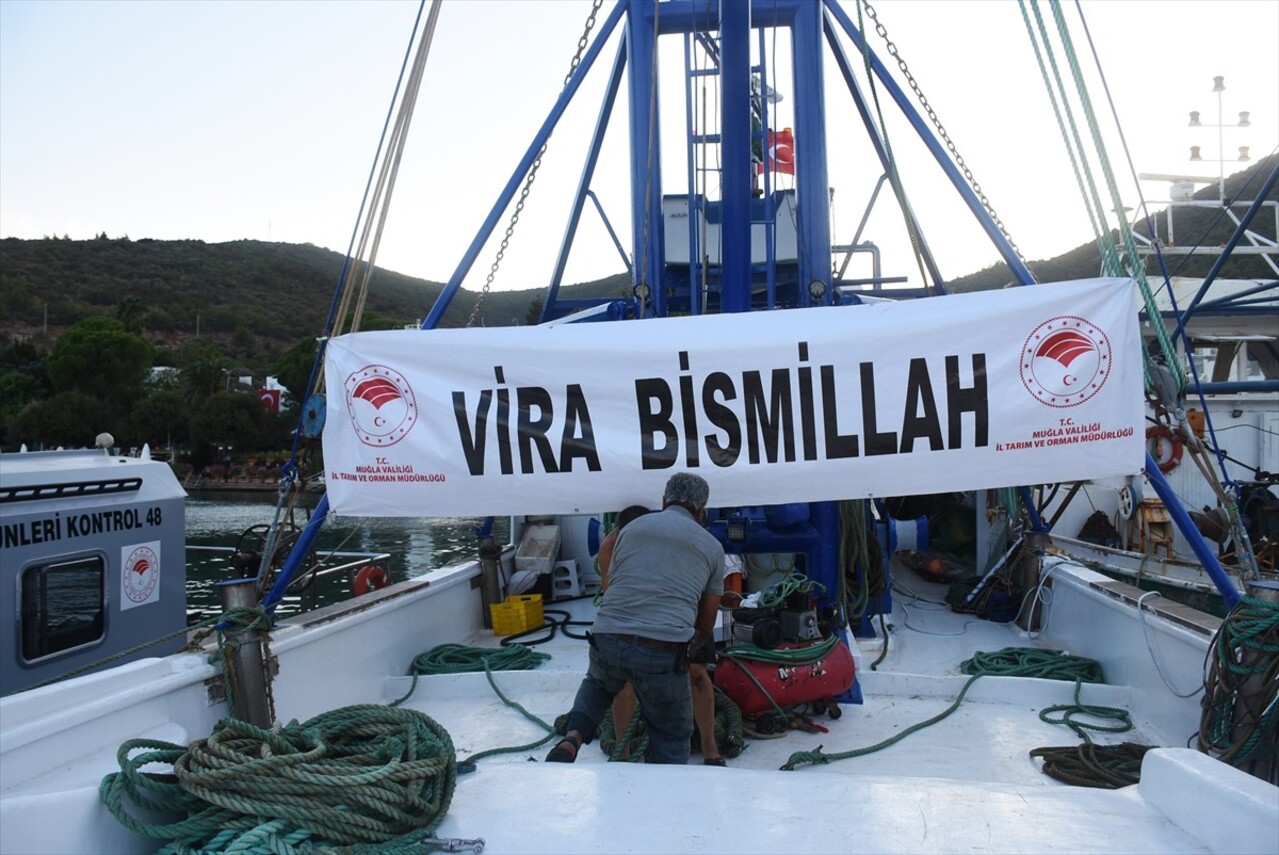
(370, 578)
(1165, 447)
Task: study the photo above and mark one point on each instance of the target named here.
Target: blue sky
(252, 119)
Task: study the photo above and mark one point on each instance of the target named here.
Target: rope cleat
(453, 844)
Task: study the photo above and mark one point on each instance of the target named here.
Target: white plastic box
(538, 549)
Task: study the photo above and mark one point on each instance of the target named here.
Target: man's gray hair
(684, 488)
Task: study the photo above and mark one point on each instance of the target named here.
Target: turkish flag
(270, 399)
(781, 152)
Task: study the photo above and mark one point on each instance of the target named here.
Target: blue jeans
(664, 696)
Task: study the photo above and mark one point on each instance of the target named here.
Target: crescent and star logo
(1065, 361)
(141, 574)
(381, 404)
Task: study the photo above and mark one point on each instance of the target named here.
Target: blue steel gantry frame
(645, 21)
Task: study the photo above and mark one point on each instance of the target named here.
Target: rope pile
(1240, 720)
(369, 778)
(1033, 662)
(461, 659)
(1106, 767)
(630, 747)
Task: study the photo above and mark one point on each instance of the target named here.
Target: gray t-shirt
(662, 565)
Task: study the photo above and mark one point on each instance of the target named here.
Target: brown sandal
(714, 761)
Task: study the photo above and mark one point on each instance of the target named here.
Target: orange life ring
(369, 578)
(1165, 447)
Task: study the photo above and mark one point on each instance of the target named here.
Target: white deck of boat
(966, 784)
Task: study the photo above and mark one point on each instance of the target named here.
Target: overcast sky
(251, 119)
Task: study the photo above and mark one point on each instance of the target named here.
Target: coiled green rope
(1240, 720)
(369, 778)
(730, 732)
(1033, 662)
(461, 659)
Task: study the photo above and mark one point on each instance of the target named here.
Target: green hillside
(82, 323)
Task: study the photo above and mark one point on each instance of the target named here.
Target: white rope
(1151, 650)
(381, 200)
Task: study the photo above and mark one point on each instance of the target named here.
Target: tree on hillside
(130, 311)
(233, 421)
(69, 419)
(160, 419)
(293, 368)
(17, 390)
(204, 370)
(534, 314)
(99, 357)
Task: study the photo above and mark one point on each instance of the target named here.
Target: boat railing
(337, 564)
(1169, 243)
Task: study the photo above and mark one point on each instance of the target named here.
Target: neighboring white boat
(318, 739)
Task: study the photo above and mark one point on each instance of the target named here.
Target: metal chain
(532, 173)
(882, 31)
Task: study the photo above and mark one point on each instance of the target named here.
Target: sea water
(416, 545)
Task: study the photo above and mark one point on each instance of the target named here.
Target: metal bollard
(248, 683)
(490, 578)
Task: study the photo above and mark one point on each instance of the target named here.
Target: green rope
(854, 551)
(1240, 720)
(369, 777)
(794, 583)
(1111, 261)
(792, 656)
(461, 659)
(1123, 721)
(1087, 764)
(1009, 662)
(632, 745)
(1033, 662)
(730, 732)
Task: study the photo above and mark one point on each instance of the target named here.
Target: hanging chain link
(882, 31)
(532, 173)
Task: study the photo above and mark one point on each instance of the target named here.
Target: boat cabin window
(63, 604)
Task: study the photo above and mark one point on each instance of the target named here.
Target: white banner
(1024, 385)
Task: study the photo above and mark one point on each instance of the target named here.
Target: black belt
(653, 643)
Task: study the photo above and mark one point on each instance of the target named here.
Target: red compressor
(790, 679)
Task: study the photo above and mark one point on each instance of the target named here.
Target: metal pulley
(313, 416)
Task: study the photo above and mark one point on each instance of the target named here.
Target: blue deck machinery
(755, 247)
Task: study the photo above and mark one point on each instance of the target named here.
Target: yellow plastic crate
(518, 614)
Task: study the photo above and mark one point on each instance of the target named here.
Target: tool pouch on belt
(682, 654)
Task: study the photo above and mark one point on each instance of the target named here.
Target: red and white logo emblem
(140, 574)
(1065, 361)
(381, 404)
